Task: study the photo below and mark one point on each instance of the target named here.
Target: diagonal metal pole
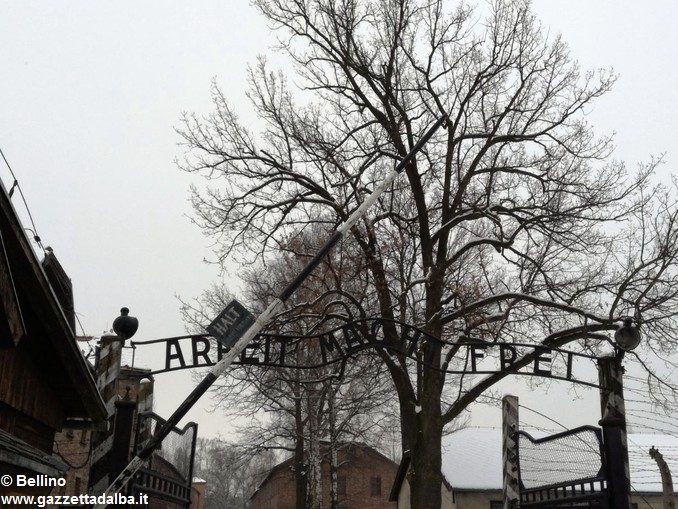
(261, 321)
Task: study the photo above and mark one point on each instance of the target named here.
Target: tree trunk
(300, 469)
(425, 476)
(315, 459)
(334, 460)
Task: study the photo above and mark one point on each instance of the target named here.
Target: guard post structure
(108, 360)
(613, 422)
(123, 427)
(510, 423)
(667, 482)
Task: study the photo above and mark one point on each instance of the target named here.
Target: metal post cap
(125, 326)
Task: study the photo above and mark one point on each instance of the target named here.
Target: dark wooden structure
(45, 382)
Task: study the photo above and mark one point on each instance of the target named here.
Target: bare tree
(309, 412)
(231, 476)
(514, 223)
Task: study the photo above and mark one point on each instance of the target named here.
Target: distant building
(472, 470)
(364, 479)
(45, 382)
(198, 492)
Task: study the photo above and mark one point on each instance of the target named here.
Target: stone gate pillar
(107, 369)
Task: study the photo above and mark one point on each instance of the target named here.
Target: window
(375, 486)
(341, 485)
(496, 504)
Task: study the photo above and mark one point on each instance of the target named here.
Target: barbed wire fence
(576, 457)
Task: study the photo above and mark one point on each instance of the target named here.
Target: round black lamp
(125, 326)
(627, 336)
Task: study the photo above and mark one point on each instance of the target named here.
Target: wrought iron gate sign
(339, 344)
(231, 323)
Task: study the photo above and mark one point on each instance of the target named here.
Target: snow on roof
(472, 459)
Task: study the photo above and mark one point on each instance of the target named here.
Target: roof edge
(78, 372)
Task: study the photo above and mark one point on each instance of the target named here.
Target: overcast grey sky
(89, 95)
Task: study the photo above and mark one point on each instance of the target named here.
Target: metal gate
(566, 470)
(168, 473)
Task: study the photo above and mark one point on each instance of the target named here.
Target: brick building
(198, 493)
(364, 480)
(73, 447)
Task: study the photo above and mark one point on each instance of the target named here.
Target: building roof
(472, 459)
(289, 462)
(51, 340)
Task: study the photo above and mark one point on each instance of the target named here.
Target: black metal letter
(477, 352)
(412, 335)
(569, 366)
(249, 354)
(178, 355)
(543, 355)
(202, 353)
(375, 330)
(328, 342)
(507, 362)
(352, 338)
